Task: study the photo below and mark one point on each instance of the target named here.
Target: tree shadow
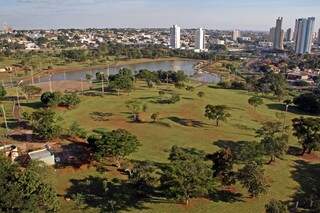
(108, 196)
(243, 127)
(187, 122)
(226, 196)
(308, 177)
(33, 105)
(187, 98)
(100, 116)
(291, 109)
(74, 154)
(295, 151)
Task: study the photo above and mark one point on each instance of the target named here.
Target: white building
(200, 39)
(279, 35)
(235, 35)
(175, 37)
(303, 40)
(43, 155)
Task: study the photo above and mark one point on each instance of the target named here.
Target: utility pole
(18, 99)
(81, 86)
(5, 120)
(32, 80)
(50, 83)
(108, 73)
(102, 83)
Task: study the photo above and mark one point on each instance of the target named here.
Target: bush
(50, 99)
(179, 85)
(3, 92)
(76, 130)
(238, 85)
(201, 94)
(174, 98)
(170, 100)
(190, 88)
(275, 206)
(45, 123)
(69, 100)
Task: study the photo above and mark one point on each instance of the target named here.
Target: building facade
(289, 35)
(235, 35)
(303, 41)
(175, 37)
(278, 35)
(200, 42)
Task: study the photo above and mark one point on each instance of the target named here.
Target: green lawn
(184, 124)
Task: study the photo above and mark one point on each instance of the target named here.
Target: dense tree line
(26, 189)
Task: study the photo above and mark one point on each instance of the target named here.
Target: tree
(3, 92)
(69, 100)
(255, 101)
(26, 190)
(308, 102)
(117, 144)
(31, 90)
(122, 82)
(307, 130)
(45, 123)
(276, 206)
(143, 176)
(50, 99)
(273, 141)
(272, 82)
(186, 176)
(222, 167)
(217, 113)
(155, 116)
(201, 94)
(251, 176)
(136, 108)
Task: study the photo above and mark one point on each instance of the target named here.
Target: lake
(186, 65)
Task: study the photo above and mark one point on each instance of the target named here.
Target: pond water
(186, 65)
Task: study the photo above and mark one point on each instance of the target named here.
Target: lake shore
(104, 66)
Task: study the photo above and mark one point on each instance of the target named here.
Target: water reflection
(186, 65)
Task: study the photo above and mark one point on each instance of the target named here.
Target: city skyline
(51, 14)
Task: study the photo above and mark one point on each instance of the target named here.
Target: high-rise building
(200, 39)
(318, 37)
(289, 34)
(303, 42)
(235, 35)
(271, 34)
(278, 35)
(295, 30)
(175, 37)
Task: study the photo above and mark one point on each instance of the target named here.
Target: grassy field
(184, 124)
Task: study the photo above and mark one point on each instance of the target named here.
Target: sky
(210, 14)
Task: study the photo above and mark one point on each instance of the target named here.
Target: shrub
(76, 130)
(179, 85)
(190, 88)
(69, 100)
(50, 99)
(201, 94)
(275, 206)
(238, 85)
